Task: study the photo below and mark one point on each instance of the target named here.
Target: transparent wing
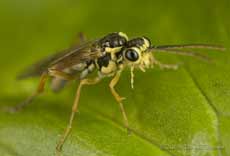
(62, 59)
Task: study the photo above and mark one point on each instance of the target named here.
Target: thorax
(110, 63)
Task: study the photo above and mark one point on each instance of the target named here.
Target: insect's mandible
(91, 61)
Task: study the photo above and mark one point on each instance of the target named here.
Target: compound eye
(131, 55)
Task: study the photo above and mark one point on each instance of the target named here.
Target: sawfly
(108, 57)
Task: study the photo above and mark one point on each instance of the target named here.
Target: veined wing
(62, 59)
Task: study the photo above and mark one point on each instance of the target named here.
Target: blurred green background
(172, 113)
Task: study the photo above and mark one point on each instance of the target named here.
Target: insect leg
(165, 66)
(82, 37)
(38, 91)
(74, 110)
(119, 99)
(132, 77)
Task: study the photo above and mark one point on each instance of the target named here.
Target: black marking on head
(137, 42)
(104, 60)
(113, 40)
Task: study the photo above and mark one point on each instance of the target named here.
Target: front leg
(166, 66)
(112, 84)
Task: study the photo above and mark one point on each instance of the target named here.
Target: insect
(107, 56)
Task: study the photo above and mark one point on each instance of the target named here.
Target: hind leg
(82, 37)
(38, 91)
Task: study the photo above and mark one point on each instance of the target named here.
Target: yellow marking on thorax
(123, 35)
(112, 67)
(113, 52)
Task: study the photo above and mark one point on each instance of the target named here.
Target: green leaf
(172, 113)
